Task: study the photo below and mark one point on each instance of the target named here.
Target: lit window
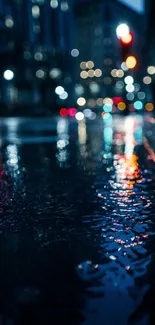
(36, 29)
(54, 4)
(9, 22)
(35, 11)
(64, 6)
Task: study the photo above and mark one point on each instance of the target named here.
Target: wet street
(77, 221)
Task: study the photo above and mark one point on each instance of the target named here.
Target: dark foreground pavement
(77, 221)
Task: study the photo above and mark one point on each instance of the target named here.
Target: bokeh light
(64, 95)
(81, 101)
(107, 108)
(121, 106)
(131, 62)
(91, 73)
(90, 64)
(129, 80)
(147, 80)
(63, 112)
(108, 101)
(141, 95)
(120, 73)
(8, 75)
(54, 4)
(79, 116)
(59, 90)
(124, 66)
(83, 65)
(138, 105)
(72, 111)
(129, 88)
(114, 73)
(55, 73)
(130, 96)
(151, 70)
(94, 87)
(40, 73)
(119, 84)
(149, 107)
(98, 73)
(99, 101)
(84, 74)
(74, 53)
(126, 39)
(122, 30)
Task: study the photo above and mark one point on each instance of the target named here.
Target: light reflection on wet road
(77, 217)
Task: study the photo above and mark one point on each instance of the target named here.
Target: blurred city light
(121, 106)
(149, 107)
(64, 6)
(151, 70)
(129, 80)
(120, 73)
(81, 101)
(119, 84)
(131, 62)
(98, 73)
(108, 101)
(138, 105)
(130, 96)
(54, 4)
(8, 75)
(122, 30)
(90, 64)
(126, 39)
(84, 74)
(91, 73)
(63, 112)
(83, 65)
(40, 74)
(107, 108)
(79, 116)
(72, 112)
(59, 90)
(117, 100)
(35, 11)
(129, 88)
(141, 95)
(94, 87)
(87, 112)
(124, 66)
(64, 95)
(75, 53)
(137, 87)
(55, 73)
(79, 90)
(9, 22)
(114, 73)
(99, 101)
(147, 80)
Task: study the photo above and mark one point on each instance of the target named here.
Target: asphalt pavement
(77, 221)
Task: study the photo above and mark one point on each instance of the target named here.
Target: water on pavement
(77, 221)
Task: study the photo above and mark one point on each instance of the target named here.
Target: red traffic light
(127, 39)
